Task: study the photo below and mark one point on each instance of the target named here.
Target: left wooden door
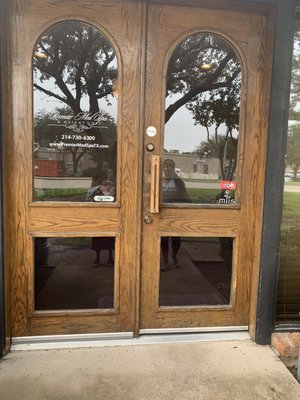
(71, 181)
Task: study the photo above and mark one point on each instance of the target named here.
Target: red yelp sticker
(228, 185)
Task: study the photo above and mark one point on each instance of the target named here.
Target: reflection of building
(49, 168)
(191, 164)
(56, 161)
(52, 162)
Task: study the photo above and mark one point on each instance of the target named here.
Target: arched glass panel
(75, 115)
(201, 122)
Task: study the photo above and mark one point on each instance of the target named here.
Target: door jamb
(2, 303)
(5, 336)
(273, 197)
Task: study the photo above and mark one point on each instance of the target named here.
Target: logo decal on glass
(81, 122)
(227, 198)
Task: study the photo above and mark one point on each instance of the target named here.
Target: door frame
(278, 119)
(2, 283)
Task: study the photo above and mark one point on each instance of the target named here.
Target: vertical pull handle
(154, 186)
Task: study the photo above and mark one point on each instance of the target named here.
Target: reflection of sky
(182, 134)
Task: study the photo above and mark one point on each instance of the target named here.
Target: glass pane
(74, 273)
(195, 271)
(202, 122)
(288, 300)
(75, 114)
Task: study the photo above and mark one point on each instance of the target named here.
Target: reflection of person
(103, 185)
(173, 188)
(103, 243)
(103, 172)
(104, 188)
(173, 191)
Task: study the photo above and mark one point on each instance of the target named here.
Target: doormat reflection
(218, 274)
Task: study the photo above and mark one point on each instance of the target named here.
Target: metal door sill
(195, 330)
(126, 339)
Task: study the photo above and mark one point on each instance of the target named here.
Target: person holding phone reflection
(173, 191)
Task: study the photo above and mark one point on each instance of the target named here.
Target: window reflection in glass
(195, 271)
(74, 273)
(75, 115)
(202, 121)
(288, 299)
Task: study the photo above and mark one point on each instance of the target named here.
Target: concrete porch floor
(208, 370)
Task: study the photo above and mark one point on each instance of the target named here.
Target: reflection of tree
(225, 149)
(293, 149)
(205, 75)
(81, 62)
(77, 57)
(293, 139)
(295, 87)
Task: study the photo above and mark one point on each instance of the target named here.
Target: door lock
(148, 219)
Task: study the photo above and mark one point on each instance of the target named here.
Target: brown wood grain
(15, 161)
(72, 219)
(264, 65)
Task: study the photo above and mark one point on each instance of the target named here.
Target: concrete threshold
(194, 370)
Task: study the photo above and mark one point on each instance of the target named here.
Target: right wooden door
(207, 90)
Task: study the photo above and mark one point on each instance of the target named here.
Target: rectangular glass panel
(195, 271)
(75, 89)
(74, 273)
(202, 110)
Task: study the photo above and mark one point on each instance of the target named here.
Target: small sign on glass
(228, 185)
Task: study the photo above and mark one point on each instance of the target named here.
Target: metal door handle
(154, 186)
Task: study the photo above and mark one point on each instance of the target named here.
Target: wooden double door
(134, 164)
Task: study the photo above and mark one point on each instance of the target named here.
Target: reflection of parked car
(287, 178)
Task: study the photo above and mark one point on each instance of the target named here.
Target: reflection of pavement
(291, 188)
(69, 182)
(202, 185)
(187, 286)
(74, 283)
